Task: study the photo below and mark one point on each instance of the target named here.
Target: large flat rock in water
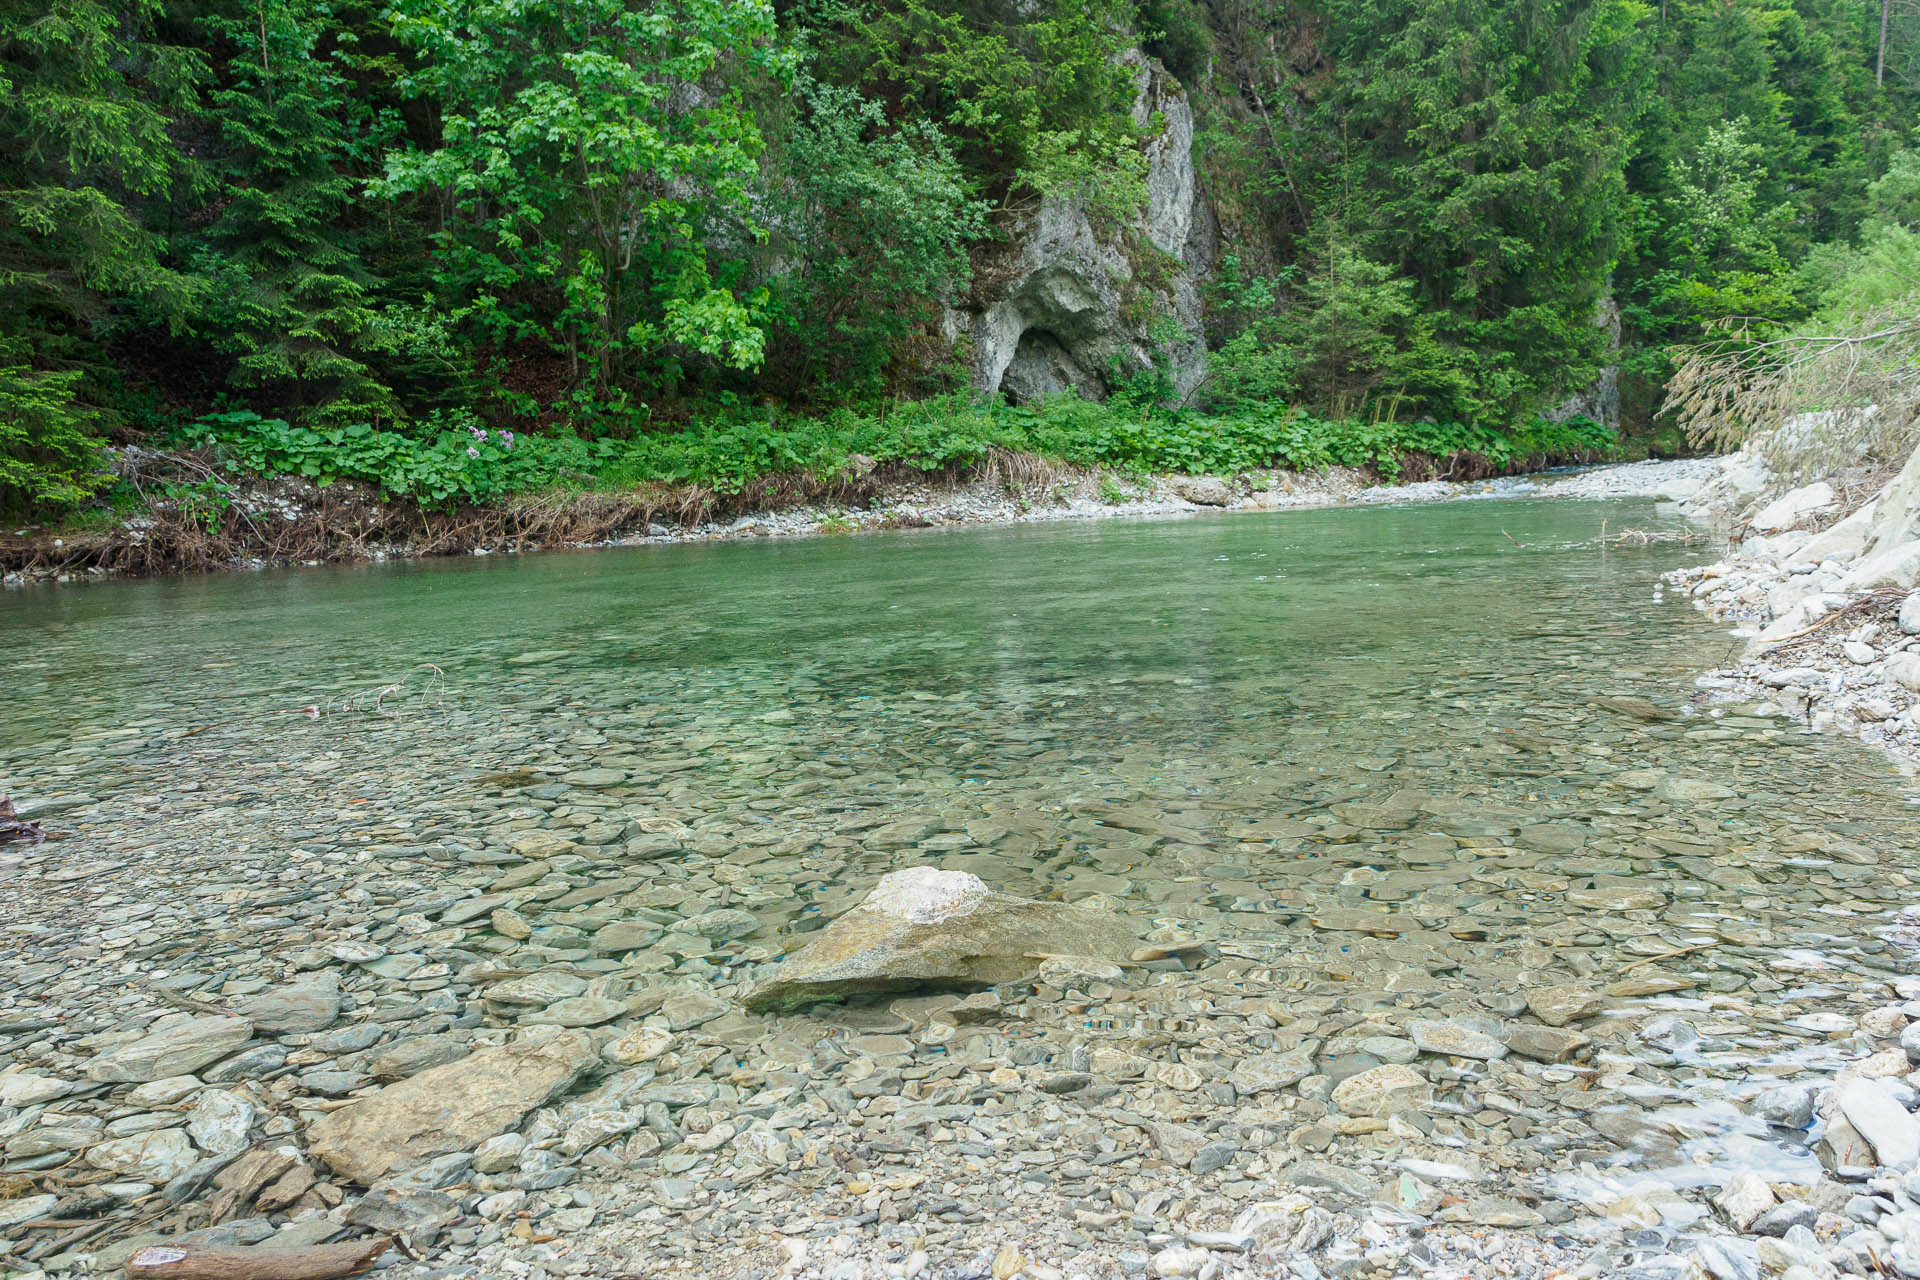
(454, 1107)
(180, 1046)
(923, 927)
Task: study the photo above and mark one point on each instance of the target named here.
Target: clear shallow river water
(1384, 758)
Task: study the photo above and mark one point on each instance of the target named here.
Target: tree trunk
(1880, 61)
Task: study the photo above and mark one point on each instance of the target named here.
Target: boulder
(454, 1107)
(1892, 1132)
(1897, 565)
(923, 927)
(1896, 517)
(1203, 491)
(1790, 508)
(1843, 541)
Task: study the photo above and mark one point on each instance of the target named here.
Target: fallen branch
(1851, 607)
(209, 1262)
(1669, 955)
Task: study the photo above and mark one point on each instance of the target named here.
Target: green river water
(1420, 753)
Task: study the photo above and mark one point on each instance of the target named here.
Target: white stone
(1896, 566)
(1744, 1199)
(1893, 1134)
(1792, 507)
(1859, 654)
(163, 1092)
(24, 1090)
(1903, 669)
(160, 1156)
(642, 1044)
(175, 1049)
(1842, 542)
(925, 895)
(498, 1154)
(1182, 1260)
(1896, 517)
(15, 1212)
(1909, 619)
(219, 1122)
(1383, 1091)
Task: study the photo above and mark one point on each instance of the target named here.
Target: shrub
(459, 462)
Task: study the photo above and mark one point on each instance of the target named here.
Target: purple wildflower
(472, 452)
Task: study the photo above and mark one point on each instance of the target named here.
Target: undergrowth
(460, 464)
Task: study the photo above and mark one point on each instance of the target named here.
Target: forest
(463, 248)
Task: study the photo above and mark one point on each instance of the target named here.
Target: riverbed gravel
(1615, 987)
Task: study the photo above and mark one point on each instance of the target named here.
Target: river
(1371, 776)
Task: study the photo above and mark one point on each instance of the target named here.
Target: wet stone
(307, 1005)
(182, 1047)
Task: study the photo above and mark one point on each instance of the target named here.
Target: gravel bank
(291, 503)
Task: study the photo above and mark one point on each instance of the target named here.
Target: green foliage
(291, 299)
(587, 165)
(1038, 104)
(457, 465)
(1175, 31)
(86, 92)
(1479, 158)
(871, 231)
(50, 450)
(614, 225)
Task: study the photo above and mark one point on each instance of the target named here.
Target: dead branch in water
(15, 827)
(1648, 537)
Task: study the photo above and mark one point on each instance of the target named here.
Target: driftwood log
(215, 1262)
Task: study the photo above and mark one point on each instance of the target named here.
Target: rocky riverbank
(1823, 597)
(292, 521)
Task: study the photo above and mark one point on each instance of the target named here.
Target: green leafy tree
(871, 235)
(590, 157)
(1037, 98)
(1479, 155)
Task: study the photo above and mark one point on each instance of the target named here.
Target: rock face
(454, 1107)
(1601, 399)
(1890, 549)
(1074, 299)
(922, 927)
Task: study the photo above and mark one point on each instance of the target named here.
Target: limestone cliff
(1067, 301)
